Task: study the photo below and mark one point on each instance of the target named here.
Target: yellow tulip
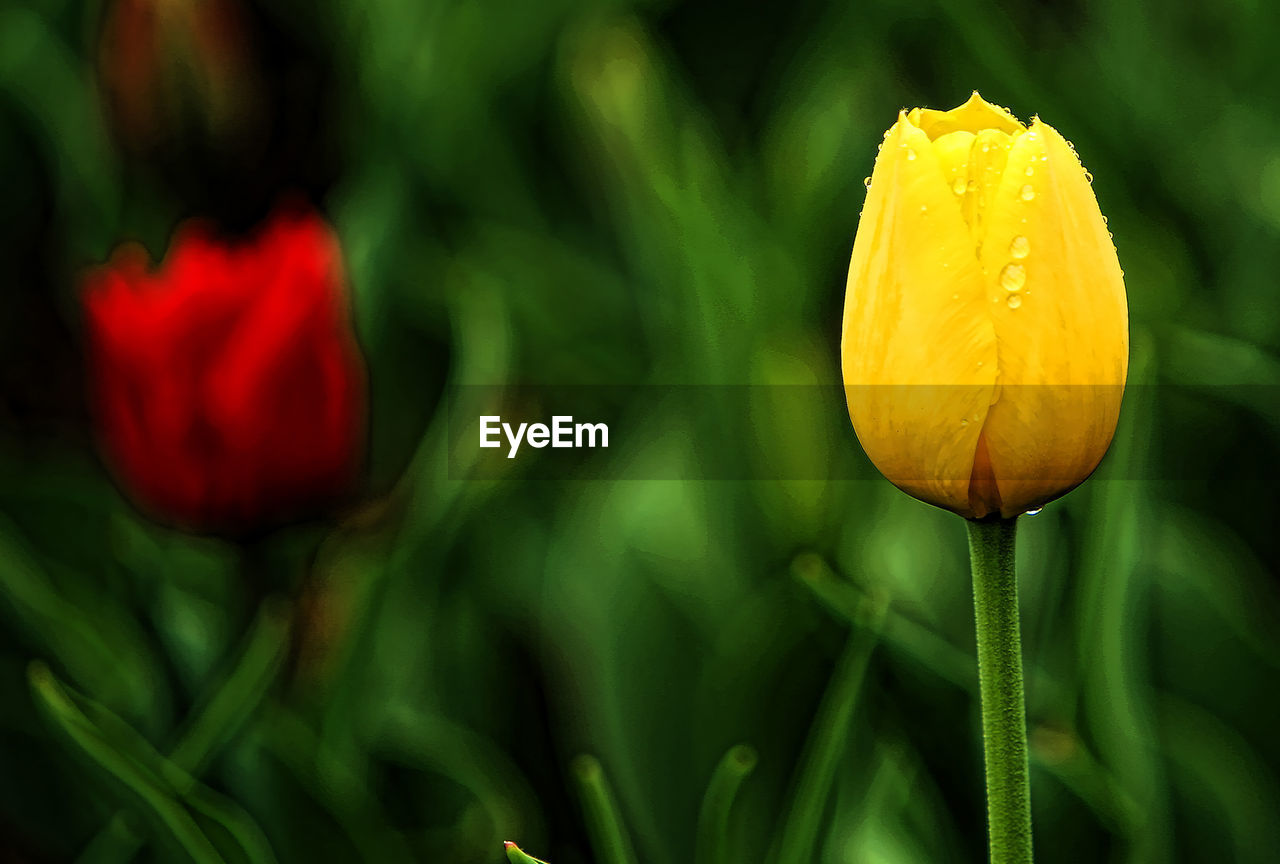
(986, 338)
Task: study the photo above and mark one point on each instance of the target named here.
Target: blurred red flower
(227, 385)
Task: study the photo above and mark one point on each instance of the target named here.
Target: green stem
(1004, 716)
(714, 837)
(604, 822)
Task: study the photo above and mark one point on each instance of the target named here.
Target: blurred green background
(613, 195)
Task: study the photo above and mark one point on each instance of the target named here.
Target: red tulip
(228, 388)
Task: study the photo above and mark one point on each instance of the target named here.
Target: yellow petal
(953, 151)
(918, 346)
(973, 116)
(973, 165)
(987, 162)
(1056, 297)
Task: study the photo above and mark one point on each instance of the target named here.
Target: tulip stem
(1004, 716)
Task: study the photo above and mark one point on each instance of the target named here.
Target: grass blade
(714, 846)
(151, 791)
(799, 838)
(604, 823)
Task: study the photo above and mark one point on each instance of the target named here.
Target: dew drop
(958, 187)
(1019, 247)
(972, 186)
(1031, 136)
(1013, 277)
(911, 154)
(964, 421)
(1033, 512)
(866, 181)
(1030, 171)
(1088, 177)
(1027, 192)
(1014, 301)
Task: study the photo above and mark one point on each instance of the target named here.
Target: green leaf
(232, 702)
(166, 793)
(516, 856)
(153, 792)
(95, 650)
(798, 843)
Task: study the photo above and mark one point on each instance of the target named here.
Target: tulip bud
(178, 69)
(985, 340)
(228, 388)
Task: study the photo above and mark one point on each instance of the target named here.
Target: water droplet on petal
(1027, 192)
(1030, 171)
(1014, 301)
(911, 154)
(958, 187)
(924, 208)
(964, 421)
(1013, 277)
(866, 181)
(1019, 247)
(1088, 177)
